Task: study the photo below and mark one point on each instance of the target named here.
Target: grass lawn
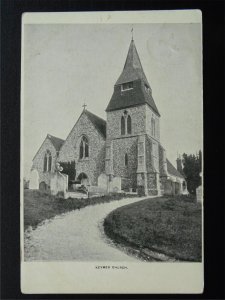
(39, 206)
(168, 225)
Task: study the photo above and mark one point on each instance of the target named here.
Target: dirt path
(76, 235)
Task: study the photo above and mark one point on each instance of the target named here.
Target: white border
(109, 17)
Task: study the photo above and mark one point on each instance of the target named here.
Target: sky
(66, 65)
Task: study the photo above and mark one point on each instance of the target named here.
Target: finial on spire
(132, 33)
(84, 106)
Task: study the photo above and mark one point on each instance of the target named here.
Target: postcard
(111, 152)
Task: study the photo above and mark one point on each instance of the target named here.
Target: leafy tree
(192, 167)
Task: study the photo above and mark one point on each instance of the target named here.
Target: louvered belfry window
(122, 125)
(127, 86)
(128, 124)
(126, 160)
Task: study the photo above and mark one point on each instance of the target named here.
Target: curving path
(77, 235)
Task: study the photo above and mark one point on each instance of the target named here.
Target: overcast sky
(65, 65)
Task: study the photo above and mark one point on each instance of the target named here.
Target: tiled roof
(57, 142)
(98, 122)
(138, 95)
(172, 170)
(133, 97)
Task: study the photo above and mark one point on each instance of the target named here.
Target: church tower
(133, 130)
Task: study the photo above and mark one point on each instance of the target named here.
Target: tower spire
(132, 74)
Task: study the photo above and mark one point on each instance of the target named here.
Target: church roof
(172, 170)
(138, 95)
(132, 69)
(133, 97)
(57, 142)
(99, 123)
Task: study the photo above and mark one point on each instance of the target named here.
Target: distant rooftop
(172, 170)
(57, 142)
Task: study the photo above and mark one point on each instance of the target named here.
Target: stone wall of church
(92, 166)
(137, 120)
(38, 162)
(149, 114)
(121, 147)
(152, 184)
(152, 162)
(152, 159)
(162, 161)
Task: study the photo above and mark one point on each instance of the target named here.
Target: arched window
(153, 126)
(122, 125)
(84, 148)
(47, 161)
(126, 160)
(81, 149)
(128, 124)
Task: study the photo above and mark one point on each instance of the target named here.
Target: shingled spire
(132, 69)
(140, 93)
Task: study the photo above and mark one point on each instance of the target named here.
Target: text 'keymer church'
(122, 153)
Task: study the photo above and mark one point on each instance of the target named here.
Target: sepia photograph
(112, 142)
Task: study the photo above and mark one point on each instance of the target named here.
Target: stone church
(124, 152)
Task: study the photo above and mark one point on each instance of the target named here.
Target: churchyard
(170, 226)
(40, 206)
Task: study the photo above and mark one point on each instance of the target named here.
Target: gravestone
(59, 183)
(43, 186)
(115, 185)
(34, 180)
(102, 181)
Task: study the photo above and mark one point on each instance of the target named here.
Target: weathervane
(132, 33)
(84, 106)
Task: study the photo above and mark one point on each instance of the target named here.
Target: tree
(192, 167)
